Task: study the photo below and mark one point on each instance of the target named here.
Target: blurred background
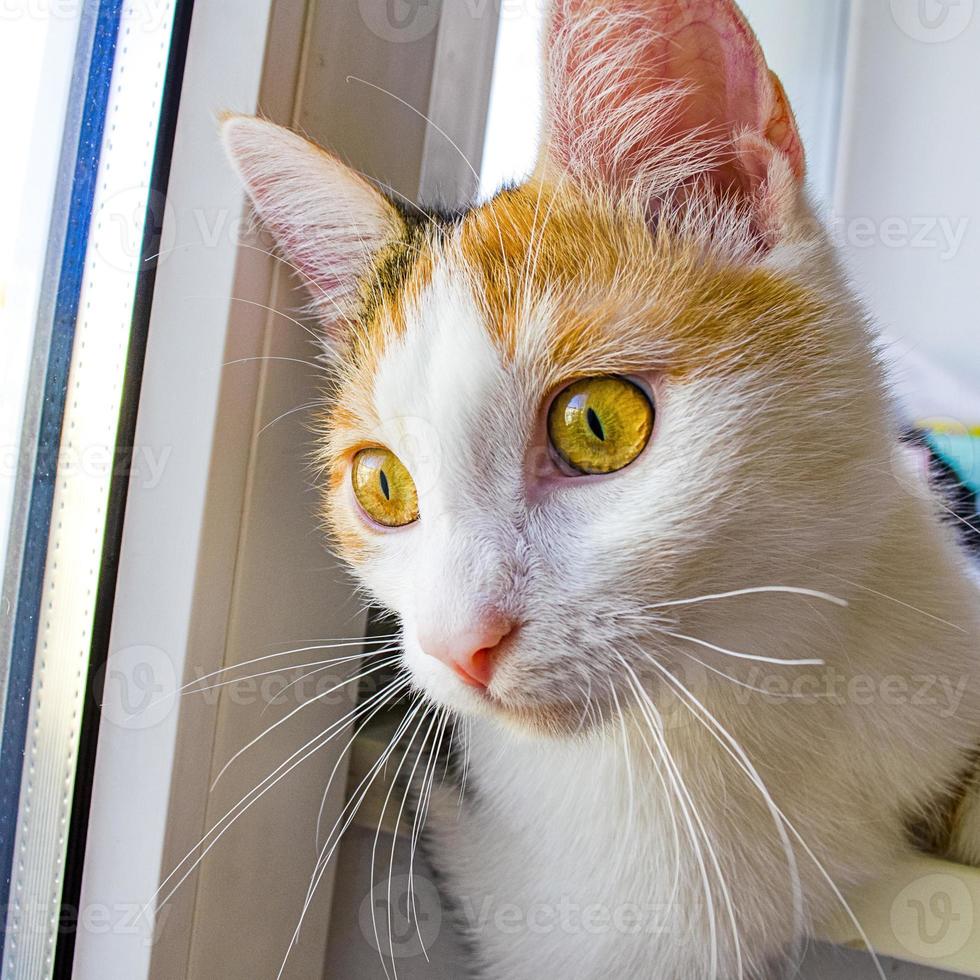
(157, 522)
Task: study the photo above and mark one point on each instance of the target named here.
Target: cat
(616, 449)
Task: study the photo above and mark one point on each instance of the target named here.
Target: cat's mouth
(522, 707)
(524, 691)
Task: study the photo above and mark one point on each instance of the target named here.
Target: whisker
(449, 750)
(241, 244)
(476, 177)
(735, 680)
(747, 766)
(655, 722)
(317, 339)
(327, 645)
(672, 764)
(418, 112)
(741, 656)
(962, 520)
(285, 415)
(336, 835)
(627, 759)
(320, 668)
(404, 198)
(240, 808)
(466, 760)
(377, 835)
(397, 688)
(585, 709)
(828, 569)
(418, 822)
(285, 718)
(436, 717)
(274, 357)
(784, 589)
(308, 279)
(319, 664)
(909, 606)
(669, 797)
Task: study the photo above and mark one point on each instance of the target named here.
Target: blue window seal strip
(97, 82)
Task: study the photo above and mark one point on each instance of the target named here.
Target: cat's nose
(471, 653)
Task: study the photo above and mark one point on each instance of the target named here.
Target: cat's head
(634, 379)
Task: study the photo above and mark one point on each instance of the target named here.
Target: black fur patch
(394, 264)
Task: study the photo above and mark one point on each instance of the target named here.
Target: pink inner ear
(327, 220)
(316, 258)
(707, 47)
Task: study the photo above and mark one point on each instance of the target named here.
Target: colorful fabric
(961, 452)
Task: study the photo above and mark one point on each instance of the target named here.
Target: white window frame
(221, 560)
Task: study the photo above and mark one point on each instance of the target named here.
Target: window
(80, 176)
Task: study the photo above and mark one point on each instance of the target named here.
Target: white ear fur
(328, 221)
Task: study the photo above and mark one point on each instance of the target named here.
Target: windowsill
(924, 913)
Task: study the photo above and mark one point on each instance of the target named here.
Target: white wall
(909, 193)
(805, 43)
(514, 121)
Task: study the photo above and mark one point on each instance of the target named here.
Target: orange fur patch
(618, 300)
(621, 295)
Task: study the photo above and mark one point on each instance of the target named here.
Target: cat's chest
(557, 868)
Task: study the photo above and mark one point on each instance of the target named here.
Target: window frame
(199, 549)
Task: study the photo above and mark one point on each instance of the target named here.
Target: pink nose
(471, 653)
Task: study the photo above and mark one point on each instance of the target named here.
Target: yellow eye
(384, 488)
(600, 425)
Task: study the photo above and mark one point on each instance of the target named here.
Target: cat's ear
(653, 97)
(328, 221)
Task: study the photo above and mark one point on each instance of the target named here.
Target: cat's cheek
(348, 538)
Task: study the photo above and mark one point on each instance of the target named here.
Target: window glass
(36, 53)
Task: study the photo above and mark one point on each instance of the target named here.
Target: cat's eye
(600, 425)
(384, 488)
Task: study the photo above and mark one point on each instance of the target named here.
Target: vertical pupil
(595, 424)
(385, 486)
